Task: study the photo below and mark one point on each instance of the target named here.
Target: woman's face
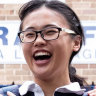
(55, 53)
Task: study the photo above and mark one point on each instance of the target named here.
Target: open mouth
(42, 56)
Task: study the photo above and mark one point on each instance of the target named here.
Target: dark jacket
(15, 89)
(58, 94)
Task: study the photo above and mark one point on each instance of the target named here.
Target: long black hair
(67, 13)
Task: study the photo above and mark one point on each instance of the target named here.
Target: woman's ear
(77, 40)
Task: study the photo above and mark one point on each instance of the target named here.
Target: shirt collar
(30, 86)
(33, 87)
(71, 88)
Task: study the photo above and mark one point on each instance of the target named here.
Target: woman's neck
(49, 86)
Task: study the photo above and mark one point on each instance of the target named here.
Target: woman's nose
(39, 42)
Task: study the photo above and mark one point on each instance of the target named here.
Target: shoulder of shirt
(33, 87)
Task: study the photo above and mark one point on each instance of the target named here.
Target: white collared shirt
(33, 87)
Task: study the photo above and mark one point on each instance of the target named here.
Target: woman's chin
(42, 73)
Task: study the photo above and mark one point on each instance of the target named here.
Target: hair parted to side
(65, 11)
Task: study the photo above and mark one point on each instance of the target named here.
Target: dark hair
(63, 9)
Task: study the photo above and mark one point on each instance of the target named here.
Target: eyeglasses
(50, 33)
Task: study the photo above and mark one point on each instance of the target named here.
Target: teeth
(41, 53)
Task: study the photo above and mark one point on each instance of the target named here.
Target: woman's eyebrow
(30, 28)
(49, 25)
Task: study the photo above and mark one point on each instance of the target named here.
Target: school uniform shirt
(30, 88)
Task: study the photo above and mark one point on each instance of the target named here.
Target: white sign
(11, 52)
(87, 55)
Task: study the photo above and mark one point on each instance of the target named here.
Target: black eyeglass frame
(40, 31)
